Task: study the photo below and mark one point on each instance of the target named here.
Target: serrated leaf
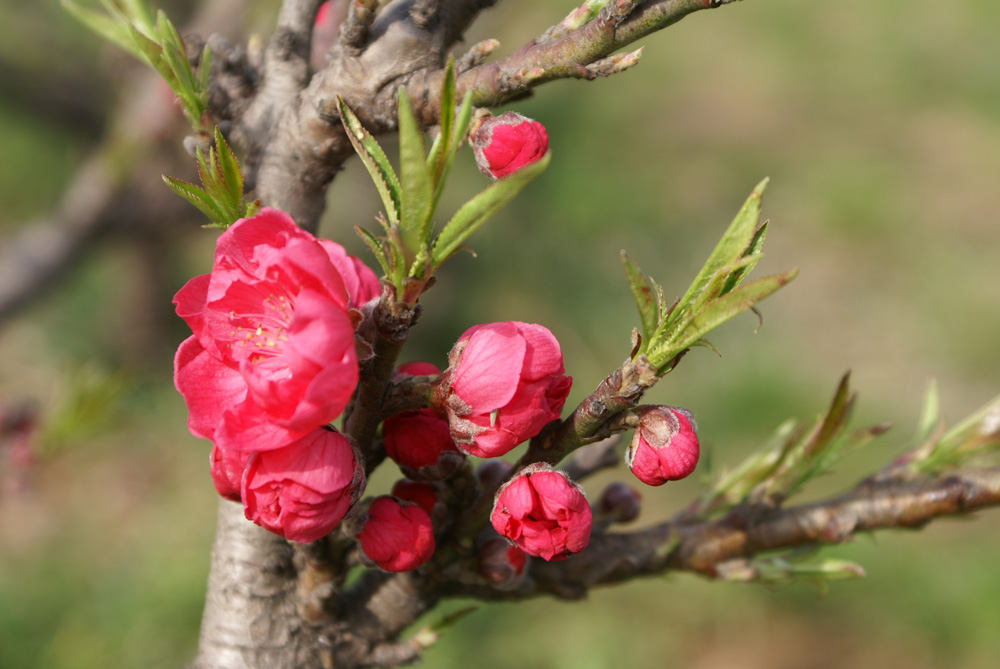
(375, 161)
(717, 312)
(752, 251)
(204, 68)
(442, 143)
(229, 167)
(480, 208)
(374, 245)
(416, 178)
(199, 198)
(730, 248)
(645, 298)
(152, 52)
(107, 27)
(459, 128)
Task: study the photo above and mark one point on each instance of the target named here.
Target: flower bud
(506, 143)
(619, 503)
(505, 382)
(415, 368)
(226, 468)
(544, 513)
(420, 493)
(420, 443)
(501, 563)
(302, 491)
(396, 536)
(664, 446)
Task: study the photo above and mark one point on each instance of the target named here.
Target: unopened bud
(619, 503)
(506, 143)
(664, 446)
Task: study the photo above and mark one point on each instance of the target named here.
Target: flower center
(262, 335)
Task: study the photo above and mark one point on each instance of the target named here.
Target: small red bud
(664, 446)
(506, 143)
(396, 536)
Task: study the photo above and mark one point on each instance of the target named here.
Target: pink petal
(489, 370)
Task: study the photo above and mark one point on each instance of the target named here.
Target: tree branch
(705, 547)
(617, 25)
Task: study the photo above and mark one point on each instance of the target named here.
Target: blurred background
(879, 126)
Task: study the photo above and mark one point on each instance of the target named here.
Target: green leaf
(717, 312)
(480, 208)
(416, 179)
(442, 143)
(459, 129)
(374, 244)
(754, 251)
(230, 168)
(199, 198)
(375, 161)
(204, 68)
(645, 298)
(730, 248)
(111, 29)
(930, 413)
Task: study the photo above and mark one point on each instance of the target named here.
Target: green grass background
(879, 125)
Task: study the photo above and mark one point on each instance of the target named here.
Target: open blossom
(544, 513)
(396, 536)
(272, 356)
(504, 144)
(504, 384)
(664, 446)
(302, 491)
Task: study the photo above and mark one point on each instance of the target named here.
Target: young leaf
(730, 248)
(199, 198)
(716, 313)
(417, 189)
(375, 246)
(645, 298)
(114, 31)
(459, 128)
(442, 143)
(754, 250)
(229, 168)
(480, 208)
(375, 161)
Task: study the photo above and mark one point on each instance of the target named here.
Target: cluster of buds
(273, 359)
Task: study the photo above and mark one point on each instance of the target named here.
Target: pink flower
(304, 490)
(664, 446)
(272, 356)
(543, 513)
(420, 493)
(506, 143)
(226, 468)
(361, 283)
(504, 384)
(396, 536)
